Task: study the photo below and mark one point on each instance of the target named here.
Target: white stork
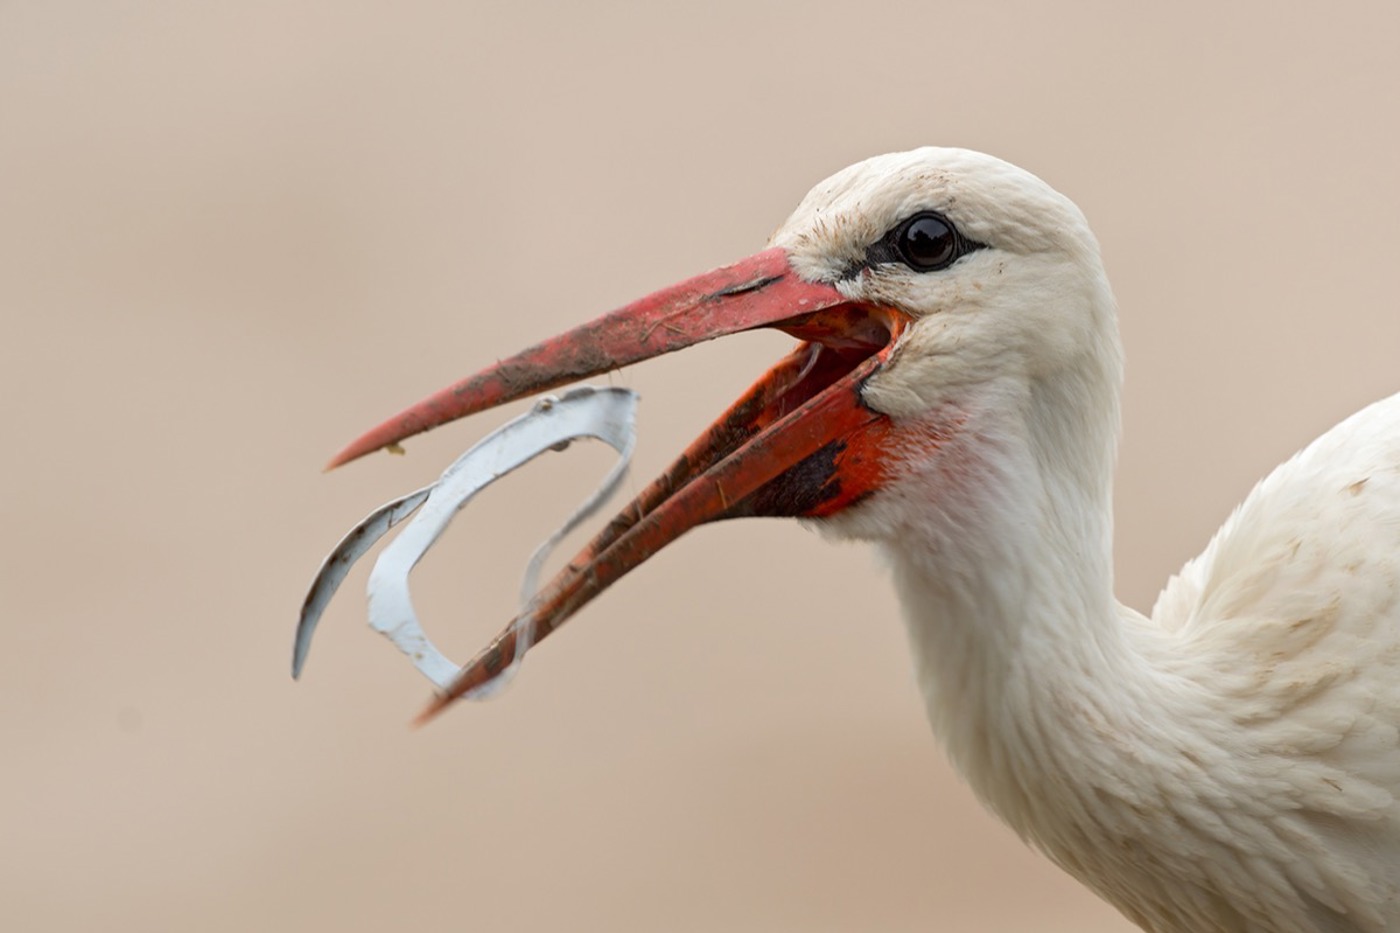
(1232, 762)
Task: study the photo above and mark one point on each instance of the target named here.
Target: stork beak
(799, 442)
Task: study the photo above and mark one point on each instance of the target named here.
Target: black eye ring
(927, 242)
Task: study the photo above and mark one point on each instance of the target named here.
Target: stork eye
(927, 242)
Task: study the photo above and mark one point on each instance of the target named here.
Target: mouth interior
(835, 343)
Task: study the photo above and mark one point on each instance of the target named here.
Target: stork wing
(1293, 614)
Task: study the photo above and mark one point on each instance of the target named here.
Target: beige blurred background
(234, 235)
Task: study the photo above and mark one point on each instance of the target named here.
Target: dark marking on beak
(741, 288)
(799, 491)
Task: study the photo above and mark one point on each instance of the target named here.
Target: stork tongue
(799, 442)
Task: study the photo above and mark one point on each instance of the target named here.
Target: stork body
(1231, 763)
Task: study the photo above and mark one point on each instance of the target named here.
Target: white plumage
(1229, 764)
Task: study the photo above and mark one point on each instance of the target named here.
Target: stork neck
(1005, 573)
(1074, 718)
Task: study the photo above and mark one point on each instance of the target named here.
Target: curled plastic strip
(608, 414)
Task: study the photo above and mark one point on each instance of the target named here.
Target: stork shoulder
(1310, 559)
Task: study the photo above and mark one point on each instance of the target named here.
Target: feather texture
(1231, 763)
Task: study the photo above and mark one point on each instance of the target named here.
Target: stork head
(996, 273)
(931, 290)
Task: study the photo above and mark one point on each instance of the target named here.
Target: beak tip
(430, 712)
(356, 449)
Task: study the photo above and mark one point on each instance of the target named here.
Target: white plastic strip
(608, 414)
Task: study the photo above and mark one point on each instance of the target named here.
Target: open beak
(799, 442)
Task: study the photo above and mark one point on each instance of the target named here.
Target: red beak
(800, 442)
